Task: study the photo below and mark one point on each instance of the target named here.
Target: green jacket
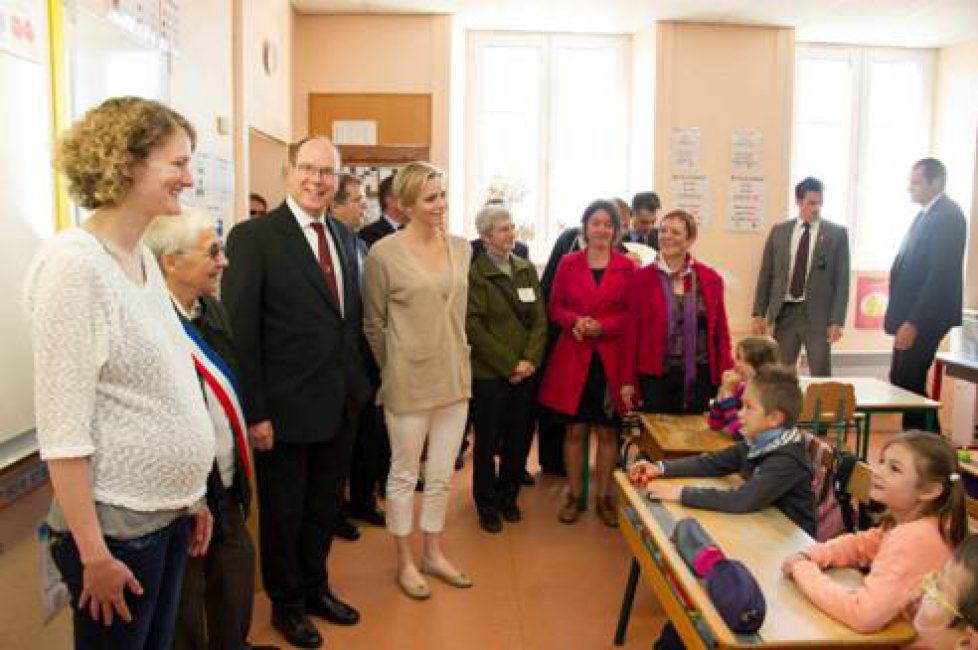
(503, 329)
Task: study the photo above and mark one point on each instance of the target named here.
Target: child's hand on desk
(789, 563)
(642, 472)
(664, 492)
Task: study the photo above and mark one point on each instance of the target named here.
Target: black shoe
(371, 515)
(510, 511)
(346, 530)
(490, 522)
(528, 479)
(420, 485)
(331, 608)
(297, 628)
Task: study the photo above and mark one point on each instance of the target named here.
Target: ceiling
(907, 23)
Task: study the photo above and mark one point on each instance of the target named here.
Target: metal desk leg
(626, 604)
(586, 471)
(863, 447)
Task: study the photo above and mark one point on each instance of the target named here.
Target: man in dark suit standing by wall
(391, 218)
(292, 293)
(925, 282)
(803, 285)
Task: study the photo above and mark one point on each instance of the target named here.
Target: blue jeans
(157, 560)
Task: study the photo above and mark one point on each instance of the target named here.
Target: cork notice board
(402, 119)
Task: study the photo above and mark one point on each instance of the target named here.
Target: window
(862, 118)
(548, 122)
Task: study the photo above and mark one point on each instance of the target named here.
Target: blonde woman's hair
(98, 152)
(411, 179)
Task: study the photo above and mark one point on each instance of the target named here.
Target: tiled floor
(539, 585)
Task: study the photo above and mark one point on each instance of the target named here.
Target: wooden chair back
(829, 403)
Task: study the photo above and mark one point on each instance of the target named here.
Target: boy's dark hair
(777, 389)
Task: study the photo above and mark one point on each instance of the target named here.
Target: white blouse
(114, 380)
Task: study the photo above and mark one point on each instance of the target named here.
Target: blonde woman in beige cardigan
(414, 319)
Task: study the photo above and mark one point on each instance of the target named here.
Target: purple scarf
(689, 323)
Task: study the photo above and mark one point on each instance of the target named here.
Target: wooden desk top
(675, 436)
(875, 394)
(761, 540)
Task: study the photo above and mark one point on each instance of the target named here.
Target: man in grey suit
(925, 282)
(803, 285)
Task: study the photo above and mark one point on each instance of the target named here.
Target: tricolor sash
(224, 385)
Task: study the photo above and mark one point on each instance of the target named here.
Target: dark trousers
(371, 459)
(665, 394)
(157, 560)
(300, 490)
(218, 589)
(499, 414)
(908, 369)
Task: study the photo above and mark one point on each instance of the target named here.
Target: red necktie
(326, 262)
(799, 275)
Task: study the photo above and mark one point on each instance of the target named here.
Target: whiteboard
(26, 214)
(104, 61)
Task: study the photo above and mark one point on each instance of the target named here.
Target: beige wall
(343, 54)
(267, 160)
(268, 95)
(956, 139)
(720, 78)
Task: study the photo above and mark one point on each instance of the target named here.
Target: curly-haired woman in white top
(120, 415)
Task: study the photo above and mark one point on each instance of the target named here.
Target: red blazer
(647, 332)
(574, 295)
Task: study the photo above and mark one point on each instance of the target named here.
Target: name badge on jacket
(526, 294)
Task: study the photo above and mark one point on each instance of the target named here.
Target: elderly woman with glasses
(218, 588)
(506, 325)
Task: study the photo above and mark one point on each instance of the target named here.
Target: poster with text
(745, 151)
(685, 149)
(20, 32)
(872, 296)
(690, 192)
(745, 204)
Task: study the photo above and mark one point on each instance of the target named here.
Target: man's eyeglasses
(929, 586)
(312, 170)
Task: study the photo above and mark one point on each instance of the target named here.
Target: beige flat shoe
(418, 591)
(459, 579)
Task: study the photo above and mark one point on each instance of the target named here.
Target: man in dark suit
(925, 282)
(803, 285)
(645, 205)
(392, 218)
(294, 302)
(371, 450)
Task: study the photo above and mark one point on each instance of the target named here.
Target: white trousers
(443, 429)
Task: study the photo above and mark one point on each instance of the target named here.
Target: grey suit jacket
(827, 290)
(925, 280)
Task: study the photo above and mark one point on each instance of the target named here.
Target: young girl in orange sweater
(917, 481)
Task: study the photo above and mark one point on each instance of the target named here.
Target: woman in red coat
(589, 303)
(679, 341)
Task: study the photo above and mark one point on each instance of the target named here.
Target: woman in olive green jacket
(506, 326)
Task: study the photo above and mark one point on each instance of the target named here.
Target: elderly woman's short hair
(177, 233)
(489, 217)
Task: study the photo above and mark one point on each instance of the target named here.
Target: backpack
(829, 518)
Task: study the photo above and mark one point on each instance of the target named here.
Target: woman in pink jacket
(916, 480)
(589, 302)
